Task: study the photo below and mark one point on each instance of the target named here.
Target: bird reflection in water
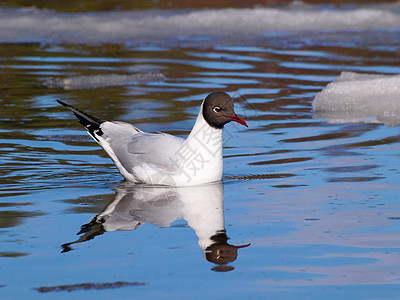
(201, 206)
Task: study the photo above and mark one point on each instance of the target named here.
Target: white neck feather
(201, 154)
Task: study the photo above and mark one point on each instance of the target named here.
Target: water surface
(318, 201)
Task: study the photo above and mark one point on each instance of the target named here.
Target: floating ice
(34, 25)
(355, 97)
(99, 81)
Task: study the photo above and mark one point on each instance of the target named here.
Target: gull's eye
(217, 109)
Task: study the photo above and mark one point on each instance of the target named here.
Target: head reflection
(222, 253)
(201, 207)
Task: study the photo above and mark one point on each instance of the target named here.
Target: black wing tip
(91, 123)
(73, 108)
(62, 103)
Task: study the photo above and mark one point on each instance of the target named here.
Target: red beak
(242, 246)
(239, 120)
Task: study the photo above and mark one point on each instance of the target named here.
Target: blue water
(318, 201)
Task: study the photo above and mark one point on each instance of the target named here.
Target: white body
(163, 159)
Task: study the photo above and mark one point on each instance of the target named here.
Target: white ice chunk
(100, 81)
(19, 25)
(355, 97)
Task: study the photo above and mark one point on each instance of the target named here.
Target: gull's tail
(92, 124)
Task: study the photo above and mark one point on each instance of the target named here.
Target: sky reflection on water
(318, 201)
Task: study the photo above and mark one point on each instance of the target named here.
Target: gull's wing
(138, 154)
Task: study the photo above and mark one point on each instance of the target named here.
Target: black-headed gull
(164, 159)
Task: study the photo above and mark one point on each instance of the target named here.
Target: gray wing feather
(134, 148)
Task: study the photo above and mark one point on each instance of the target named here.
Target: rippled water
(318, 202)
